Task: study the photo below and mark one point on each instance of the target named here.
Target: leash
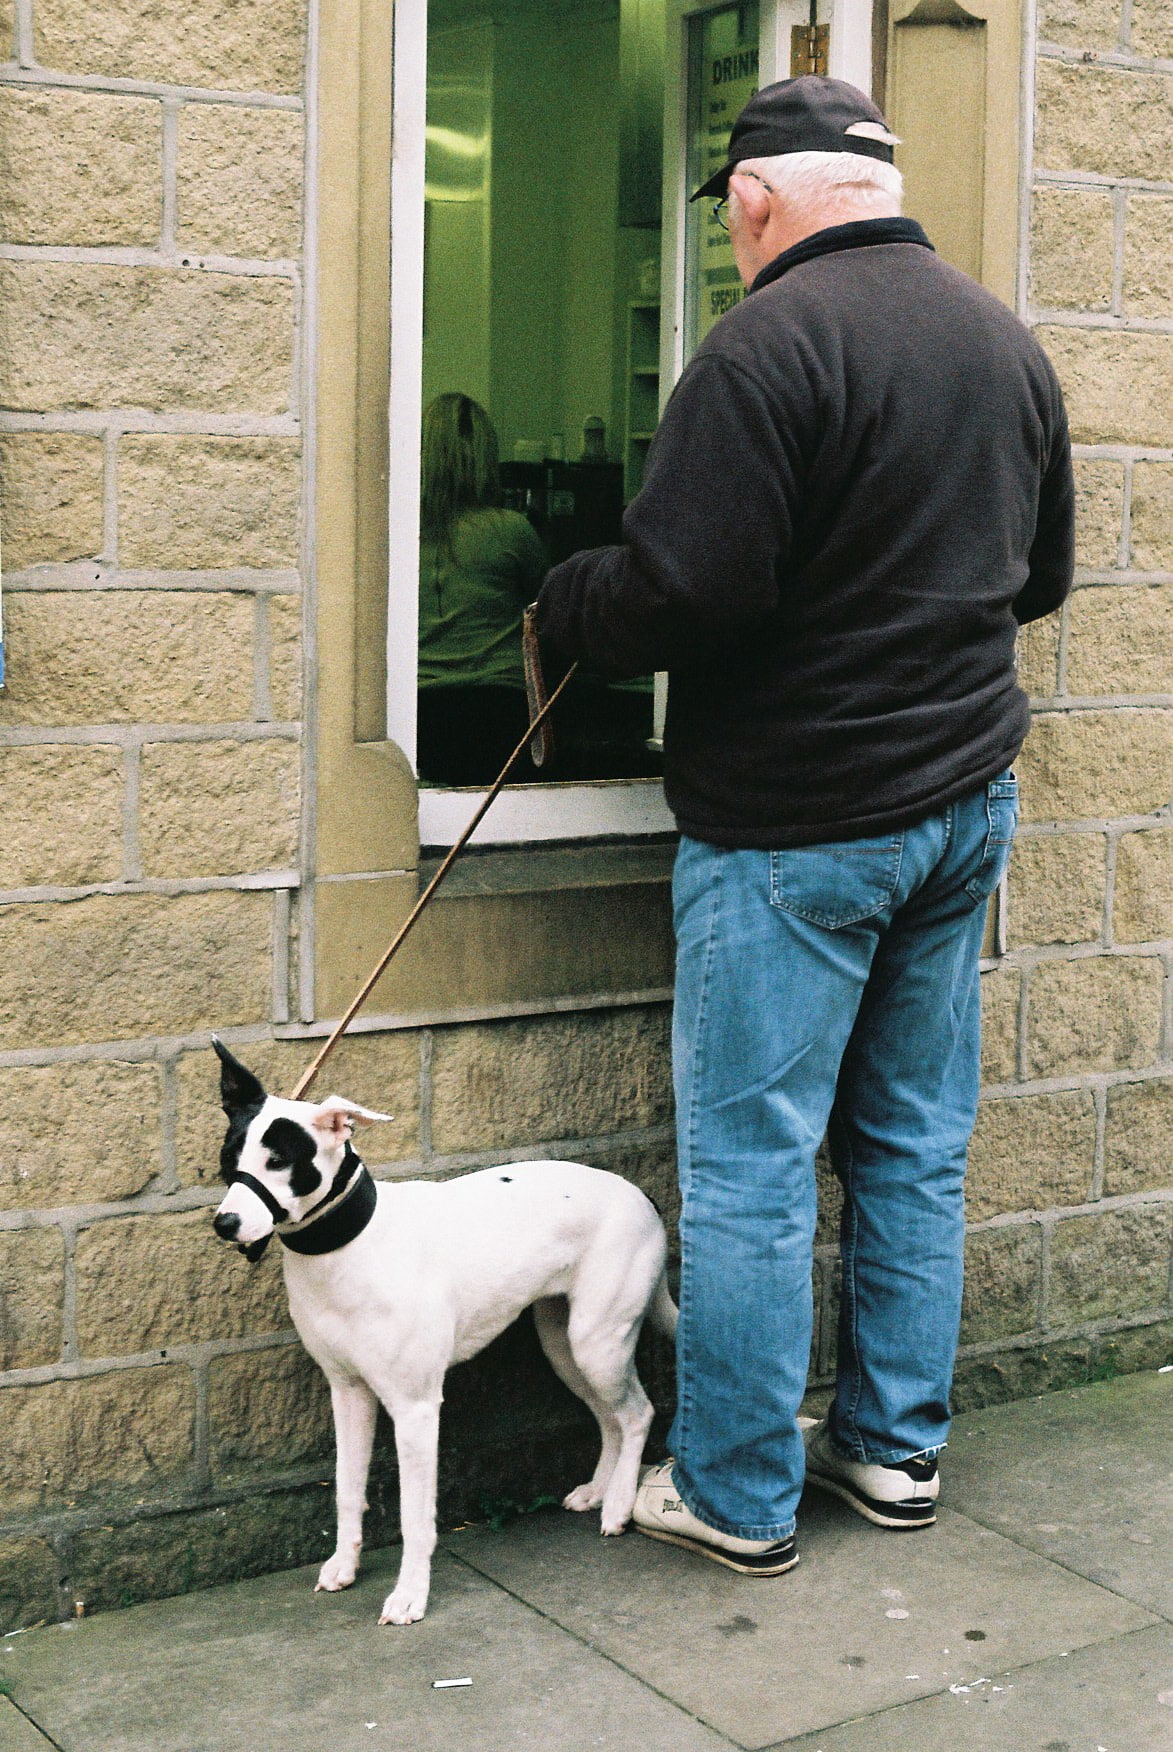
(541, 745)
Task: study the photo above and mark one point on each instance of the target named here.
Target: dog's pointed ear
(238, 1087)
(336, 1116)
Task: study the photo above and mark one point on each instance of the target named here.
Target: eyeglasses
(719, 207)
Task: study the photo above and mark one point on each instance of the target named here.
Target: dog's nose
(226, 1225)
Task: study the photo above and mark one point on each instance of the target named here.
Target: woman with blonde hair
(479, 566)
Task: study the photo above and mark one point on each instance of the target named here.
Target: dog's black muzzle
(227, 1223)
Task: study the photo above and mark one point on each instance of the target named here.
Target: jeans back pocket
(841, 882)
(1001, 825)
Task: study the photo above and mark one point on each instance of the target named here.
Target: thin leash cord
(392, 949)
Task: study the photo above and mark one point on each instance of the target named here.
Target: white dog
(389, 1284)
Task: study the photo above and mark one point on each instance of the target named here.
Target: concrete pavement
(1037, 1614)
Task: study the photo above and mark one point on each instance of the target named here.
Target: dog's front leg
(417, 1440)
(355, 1408)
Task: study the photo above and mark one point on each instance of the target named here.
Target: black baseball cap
(810, 114)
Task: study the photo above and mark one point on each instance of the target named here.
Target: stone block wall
(164, 1429)
(1071, 1177)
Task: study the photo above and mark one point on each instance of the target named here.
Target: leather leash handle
(392, 949)
(541, 747)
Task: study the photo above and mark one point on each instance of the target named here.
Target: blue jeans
(825, 989)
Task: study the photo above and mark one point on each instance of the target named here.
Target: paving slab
(868, 1621)
(267, 1664)
(1107, 1698)
(17, 1733)
(1083, 1477)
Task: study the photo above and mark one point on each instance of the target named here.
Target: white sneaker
(660, 1514)
(901, 1494)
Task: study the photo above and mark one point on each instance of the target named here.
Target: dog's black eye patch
(234, 1141)
(290, 1148)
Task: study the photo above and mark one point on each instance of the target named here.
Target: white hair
(812, 180)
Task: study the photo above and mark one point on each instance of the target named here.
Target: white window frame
(532, 812)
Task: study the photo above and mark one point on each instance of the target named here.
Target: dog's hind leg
(605, 1357)
(355, 1408)
(550, 1319)
(417, 1441)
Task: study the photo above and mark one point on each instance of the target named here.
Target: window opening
(539, 396)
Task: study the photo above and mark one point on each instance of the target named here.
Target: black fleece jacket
(859, 489)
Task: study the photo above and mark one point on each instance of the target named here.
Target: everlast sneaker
(901, 1494)
(660, 1514)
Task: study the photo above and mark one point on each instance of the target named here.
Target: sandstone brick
(1109, 120)
(85, 335)
(32, 1293)
(1086, 765)
(29, 1572)
(1003, 1270)
(113, 1567)
(120, 1432)
(80, 168)
(110, 656)
(1016, 1374)
(1071, 248)
(240, 176)
(1057, 888)
(7, 30)
(50, 498)
(285, 658)
(1038, 657)
(207, 502)
(1147, 288)
(1084, 24)
(1118, 386)
(64, 816)
(1000, 1026)
(219, 808)
(502, 1083)
(1152, 29)
(268, 1407)
(1099, 512)
(1110, 1265)
(1102, 1014)
(229, 45)
(147, 1282)
(1152, 516)
(1138, 1140)
(1120, 640)
(1031, 1153)
(381, 1071)
(1142, 910)
(78, 1134)
(129, 966)
(830, 1198)
(1140, 1347)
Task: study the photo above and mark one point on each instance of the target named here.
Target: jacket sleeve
(705, 543)
(1052, 552)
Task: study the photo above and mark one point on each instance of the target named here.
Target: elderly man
(860, 488)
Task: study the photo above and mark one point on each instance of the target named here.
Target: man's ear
(238, 1087)
(336, 1117)
(753, 199)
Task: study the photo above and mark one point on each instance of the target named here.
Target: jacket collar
(857, 234)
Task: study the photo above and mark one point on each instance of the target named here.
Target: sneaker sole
(744, 1563)
(898, 1517)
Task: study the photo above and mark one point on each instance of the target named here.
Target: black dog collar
(344, 1213)
(334, 1227)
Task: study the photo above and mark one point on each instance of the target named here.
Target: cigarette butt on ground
(447, 1684)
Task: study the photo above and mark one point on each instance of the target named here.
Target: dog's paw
(613, 1525)
(336, 1573)
(583, 1497)
(403, 1607)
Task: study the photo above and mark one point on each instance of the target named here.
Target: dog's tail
(662, 1309)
